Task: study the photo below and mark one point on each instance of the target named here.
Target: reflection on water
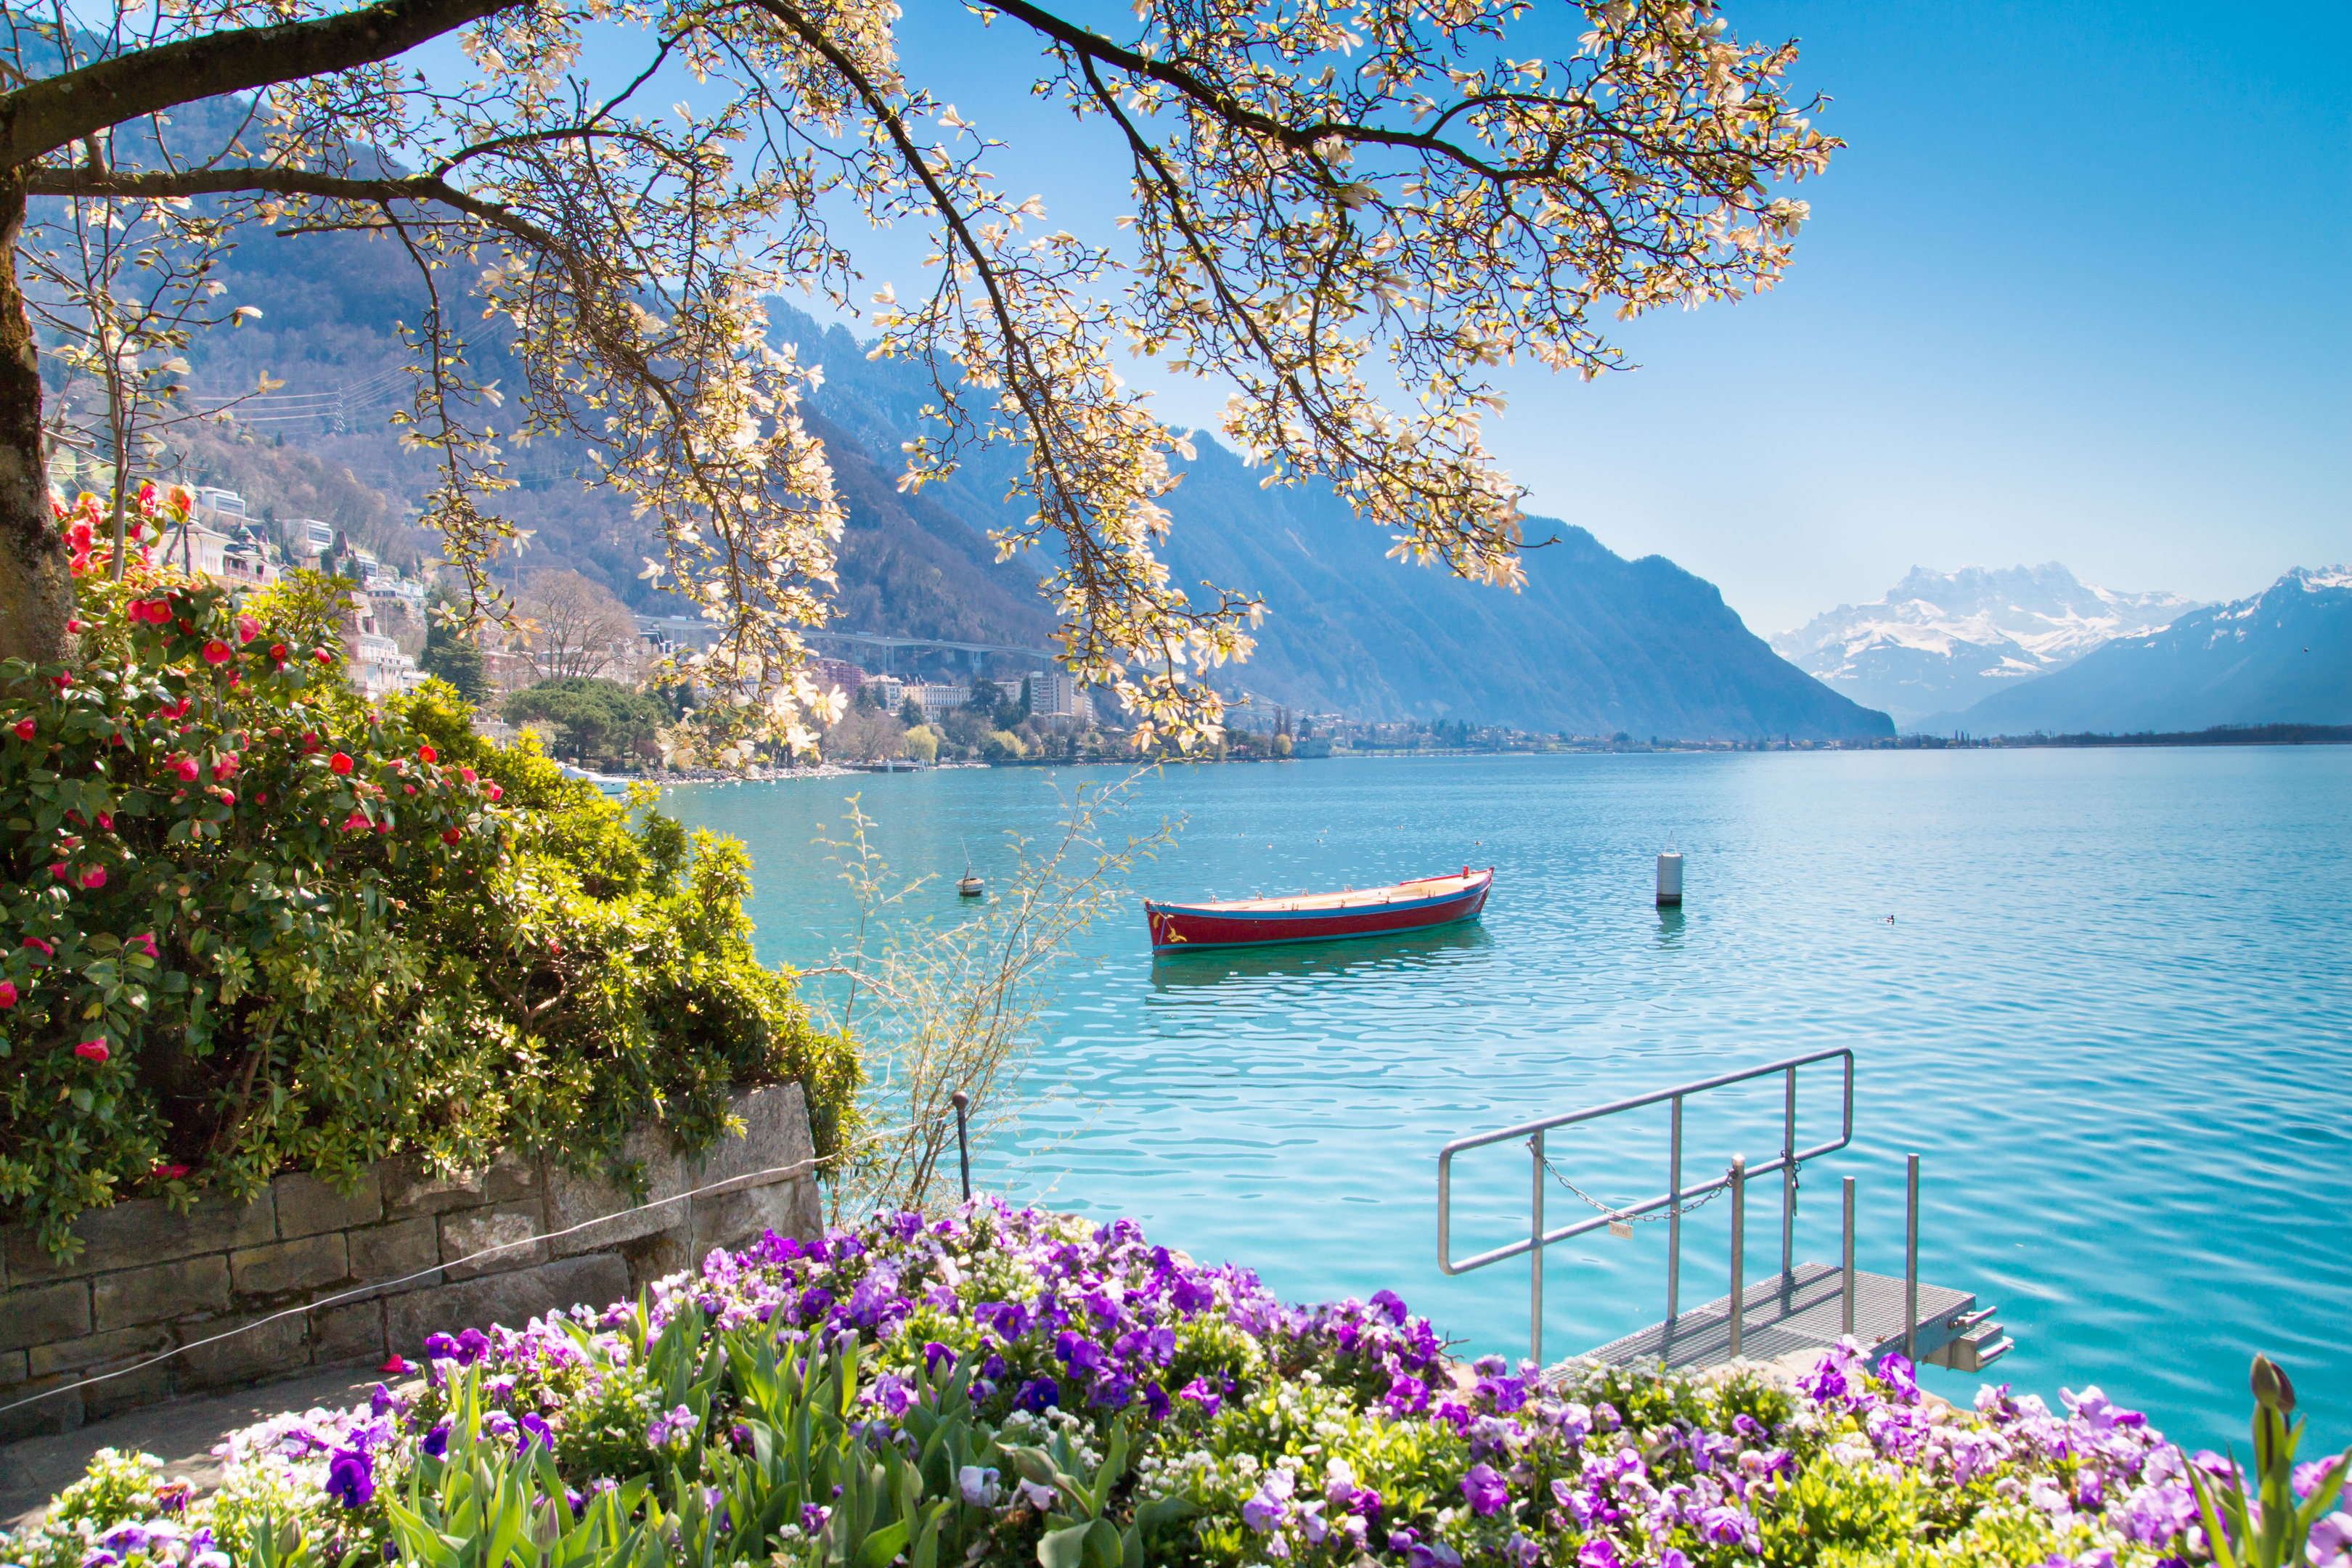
(1330, 961)
(1670, 928)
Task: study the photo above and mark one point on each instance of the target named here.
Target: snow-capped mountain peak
(1939, 641)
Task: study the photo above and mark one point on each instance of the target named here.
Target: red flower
(7, 994)
(339, 764)
(427, 755)
(105, 820)
(227, 797)
(496, 793)
(226, 767)
(92, 1051)
(75, 628)
(451, 836)
(465, 773)
(94, 877)
(43, 947)
(218, 652)
(23, 728)
(145, 942)
(58, 870)
(169, 1173)
(278, 651)
(247, 629)
(322, 656)
(310, 743)
(408, 789)
(178, 710)
(385, 826)
(356, 822)
(186, 767)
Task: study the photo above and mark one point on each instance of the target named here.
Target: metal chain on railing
(1619, 1216)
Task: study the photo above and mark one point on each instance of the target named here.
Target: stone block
(44, 1313)
(514, 1299)
(145, 1230)
(229, 1351)
(12, 1368)
(651, 1257)
(384, 1253)
(308, 1206)
(146, 1386)
(96, 1353)
(775, 1138)
(409, 1188)
(351, 1332)
(284, 1265)
(167, 1290)
(475, 1232)
(573, 1199)
(737, 1219)
(61, 1412)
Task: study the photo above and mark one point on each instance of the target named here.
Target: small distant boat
(969, 885)
(1321, 917)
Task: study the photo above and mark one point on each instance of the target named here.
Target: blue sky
(2074, 292)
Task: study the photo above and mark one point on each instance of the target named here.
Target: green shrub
(249, 923)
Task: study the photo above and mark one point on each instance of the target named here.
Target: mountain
(1596, 645)
(1939, 641)
(2282, 656)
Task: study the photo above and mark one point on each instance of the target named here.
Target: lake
(2103, 995)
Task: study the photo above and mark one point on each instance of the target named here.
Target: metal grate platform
(1795, 1311)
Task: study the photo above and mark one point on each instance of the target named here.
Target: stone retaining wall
(149, 1280)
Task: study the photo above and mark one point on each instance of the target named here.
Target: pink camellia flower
(277, 652)
(496, 793)
(78, 536)
(227, 797)
(105, 820)
(95, 876)
(466, 774)
(451, 836)
(322, 656)
(147, 499)
(182, 497)
(218, 652)
(356, 822)
(75, 628)
(339, 764)
(427, 755)
(7, 994)
(186, 767)
(92, 1051)
(23, 729)
(385, 826)
(170, 1173)
(178, 710)
(145, 942)
(41, 947)
(247, 629)
(408, 789)
(60, 870)
(226, 767)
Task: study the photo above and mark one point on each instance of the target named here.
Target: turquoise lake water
(2105, 995)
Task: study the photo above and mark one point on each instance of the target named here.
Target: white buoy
(1670, 879)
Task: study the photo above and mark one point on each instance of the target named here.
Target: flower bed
(1006, 1386)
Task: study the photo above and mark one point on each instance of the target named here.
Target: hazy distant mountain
(1940, 641)
(1596, 644)
(2282, 656)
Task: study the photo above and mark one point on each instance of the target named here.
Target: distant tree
(451, 654)
(864, 735)
(573, 628)
(986, 697)
(923, 743)
(868, 698)
(910, 714)
(1282, 746)
(596, 719)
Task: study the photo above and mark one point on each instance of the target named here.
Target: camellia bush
(250, 922)
(1010, 1387)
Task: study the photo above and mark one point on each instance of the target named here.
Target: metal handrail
(1537, 1238)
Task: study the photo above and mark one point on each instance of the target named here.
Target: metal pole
(1911, 1265)
(1848, 1311)
(1739, 1241)
(1789, 1177)
(962, 1102)
(1675, 1217)
(1535, 1258)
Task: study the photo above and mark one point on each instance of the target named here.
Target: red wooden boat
(1320, 917)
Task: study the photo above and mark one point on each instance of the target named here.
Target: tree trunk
(36, 585)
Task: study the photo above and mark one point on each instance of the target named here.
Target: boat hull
(1177, 928)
